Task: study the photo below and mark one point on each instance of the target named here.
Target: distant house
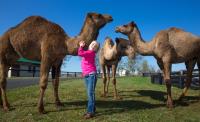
(136, 72)
(24, 68)
(123, 72)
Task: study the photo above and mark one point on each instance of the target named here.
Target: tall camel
(109, 57)
(39, 39)
(168, 46)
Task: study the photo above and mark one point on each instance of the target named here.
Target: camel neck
(142, 47)
(89, 32)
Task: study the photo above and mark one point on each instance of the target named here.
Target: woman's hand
(81, 43)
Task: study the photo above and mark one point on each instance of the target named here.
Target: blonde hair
(96, 46)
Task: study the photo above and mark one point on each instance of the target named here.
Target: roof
(28, 61)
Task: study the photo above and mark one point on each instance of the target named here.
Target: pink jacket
(88, 61)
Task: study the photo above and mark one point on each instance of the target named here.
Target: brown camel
(39, 39)
(168, 46)
(109, 56)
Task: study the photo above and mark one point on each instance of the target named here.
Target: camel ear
(132, 23)
(117, 40)
(89, 15)
(107, 38)
(99, 16)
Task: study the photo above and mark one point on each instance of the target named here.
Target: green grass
(142, 101)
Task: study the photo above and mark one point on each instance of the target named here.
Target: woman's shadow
(109, 107)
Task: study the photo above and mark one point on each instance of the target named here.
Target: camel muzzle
(108, 18)
(117, 29)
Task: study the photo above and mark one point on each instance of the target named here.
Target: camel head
(99, 20)
(124, 48)
(108, 42)
(126, 29)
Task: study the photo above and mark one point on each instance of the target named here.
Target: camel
(169, 46)
(37, 38)
(109, 57)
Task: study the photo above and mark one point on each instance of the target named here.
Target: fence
(178, 78)
(14, 72)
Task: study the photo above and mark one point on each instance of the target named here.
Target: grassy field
(142, 101)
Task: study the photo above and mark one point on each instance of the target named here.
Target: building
(24, 68)
(123, 72)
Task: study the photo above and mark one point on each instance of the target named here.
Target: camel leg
(108, 78)
(55, 83)
(189, 66)
(116, 96)
(104, 80)
(160, 64)
(167, 69)
(3, 82)
(1, 102)
(44, 73)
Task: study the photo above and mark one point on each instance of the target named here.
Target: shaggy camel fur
(109, 56)
(168, 46)
(39, 39)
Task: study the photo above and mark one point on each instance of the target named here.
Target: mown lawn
(142, 101)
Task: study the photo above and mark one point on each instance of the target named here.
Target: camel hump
(184, 33)
(34, 18)
(38, 22)
(108, 41)
(31, 20)
(174, 29)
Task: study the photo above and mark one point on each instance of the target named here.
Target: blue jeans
(90, 82)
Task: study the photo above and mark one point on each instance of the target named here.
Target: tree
(144, 66)
(152, 69)
(121, 65)
(133, 64)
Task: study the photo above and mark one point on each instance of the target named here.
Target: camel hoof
(41, 110)
(170, 105)
(181, 97)
(1, 102)
(6, 107)
(103, 95)
(118, 98)
(59, 104)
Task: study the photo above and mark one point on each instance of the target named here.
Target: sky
(151, 16)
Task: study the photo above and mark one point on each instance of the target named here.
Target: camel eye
(99, 16)
(125, 26)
